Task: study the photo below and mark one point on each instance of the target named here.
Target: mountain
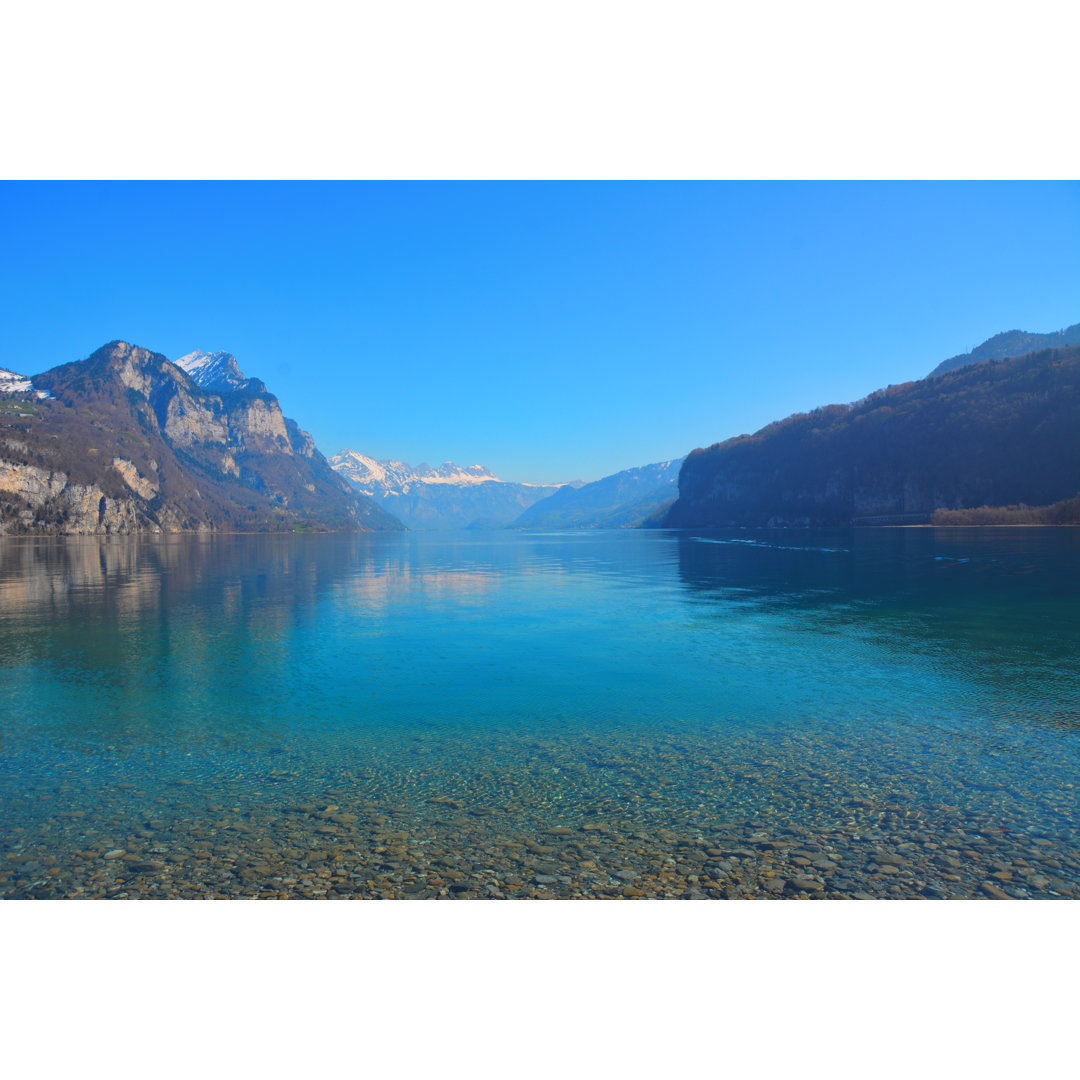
(447, 497)
(218, 372)
(620, 501)
(128, 442)
(1011, 343)
(997, 433)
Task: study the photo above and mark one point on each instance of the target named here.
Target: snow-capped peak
(385, 476)
(358, 467)
(197, 361)
(449, 473)
(212, 370)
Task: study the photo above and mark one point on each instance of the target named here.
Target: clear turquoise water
(658, 695)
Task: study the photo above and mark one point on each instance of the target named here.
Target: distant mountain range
(128, 442)
(1010, 343)
(447, 497)
(620, 501)
(989, 433)
(473, 497)
(396, 476)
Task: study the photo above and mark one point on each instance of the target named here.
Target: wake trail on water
(774, 547)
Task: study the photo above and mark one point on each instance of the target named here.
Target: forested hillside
(998, 433)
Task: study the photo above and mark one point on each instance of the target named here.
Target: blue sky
(551, 331)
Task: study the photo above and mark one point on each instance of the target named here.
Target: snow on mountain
(397, 477)
(449, 473)
(213, 371)
(447, 497)
(13, 383)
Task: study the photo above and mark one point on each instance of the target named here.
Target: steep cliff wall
(36, 499)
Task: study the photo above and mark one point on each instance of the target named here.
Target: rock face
(50, 497)
(620, 501)
(447, 497)
(128, 442)
(43, 498)
(995, 433)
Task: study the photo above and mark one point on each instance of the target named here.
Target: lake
(824, 714)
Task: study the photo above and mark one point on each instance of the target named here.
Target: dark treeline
(1066, 512)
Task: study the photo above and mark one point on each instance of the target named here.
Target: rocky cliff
(128, 442)
(997, 433)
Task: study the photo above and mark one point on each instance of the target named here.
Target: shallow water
(880, 712)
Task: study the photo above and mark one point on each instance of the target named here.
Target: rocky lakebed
(770, 815)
